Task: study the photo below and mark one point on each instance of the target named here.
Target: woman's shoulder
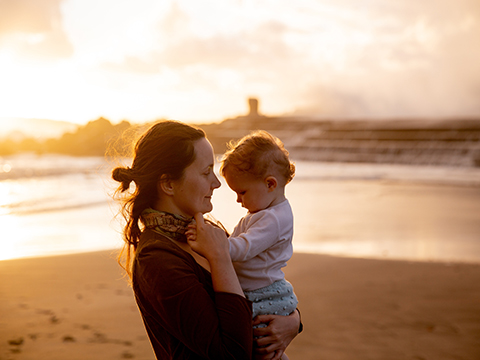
(156, 247)
(160, 264)
(156, 254)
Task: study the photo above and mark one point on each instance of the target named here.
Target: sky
(199, 61)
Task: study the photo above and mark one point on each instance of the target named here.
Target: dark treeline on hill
(435, 142)
(94, 139)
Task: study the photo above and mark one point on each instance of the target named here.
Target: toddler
(257, 168)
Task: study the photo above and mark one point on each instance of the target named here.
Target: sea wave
(26, 208)
(31, 166)
(37, 166)
(439, 175)
(50, 183)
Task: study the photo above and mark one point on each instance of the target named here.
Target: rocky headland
(450, 142)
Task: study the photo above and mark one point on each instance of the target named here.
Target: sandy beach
(81, 307)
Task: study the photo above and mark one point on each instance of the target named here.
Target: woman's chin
(207, 209)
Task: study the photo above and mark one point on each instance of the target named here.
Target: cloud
(251, 49)
(134, 65)
(175, 22)
(28, 16)
(396, 59)
(328, 101)
(33, 28)
(257, 48)
(417, 60)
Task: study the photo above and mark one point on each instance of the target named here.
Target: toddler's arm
(261, 232)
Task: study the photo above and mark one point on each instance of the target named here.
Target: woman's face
(193, 192)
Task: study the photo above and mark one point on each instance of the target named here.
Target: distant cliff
(453, 142)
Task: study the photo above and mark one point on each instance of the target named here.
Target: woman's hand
(211, 242)
(274, 339)
(207, 240)
(191, 233)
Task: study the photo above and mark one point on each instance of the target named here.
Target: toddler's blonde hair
(258, 154)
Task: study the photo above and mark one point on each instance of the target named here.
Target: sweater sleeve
(262, 231)
(212, 325)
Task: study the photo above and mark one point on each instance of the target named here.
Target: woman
(187, 292)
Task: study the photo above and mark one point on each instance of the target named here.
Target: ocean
(53, 204)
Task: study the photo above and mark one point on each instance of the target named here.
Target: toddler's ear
(271, 183)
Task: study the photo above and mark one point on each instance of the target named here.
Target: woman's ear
(165, 185)
(271, 182)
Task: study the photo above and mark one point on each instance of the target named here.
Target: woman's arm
(278, 334)
(177, 301)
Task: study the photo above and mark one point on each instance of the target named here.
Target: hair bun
(123, 175)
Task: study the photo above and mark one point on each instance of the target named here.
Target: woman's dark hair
(165, 149)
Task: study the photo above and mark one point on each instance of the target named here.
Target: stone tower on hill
(253, 106)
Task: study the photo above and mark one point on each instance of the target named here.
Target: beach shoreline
(80, 306)
(362, 210)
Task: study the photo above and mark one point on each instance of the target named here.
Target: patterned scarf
(166, 224)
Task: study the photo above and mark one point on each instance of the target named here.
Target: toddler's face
(252, 193)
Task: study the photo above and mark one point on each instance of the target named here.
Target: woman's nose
(239, 199)
(216, 183)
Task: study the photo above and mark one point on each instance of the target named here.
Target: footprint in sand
(33, 336)
(16, 343)
(45, 312)
(53, 317)
(99, 338)
(68, 338)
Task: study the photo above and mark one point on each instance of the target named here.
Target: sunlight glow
(10, 248)
(8, 224)
(33, 89)
(4, 197)
(151, 59)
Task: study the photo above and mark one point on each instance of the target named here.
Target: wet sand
(80, 307)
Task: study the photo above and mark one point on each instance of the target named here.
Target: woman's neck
(172, 227)
(166, 204)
